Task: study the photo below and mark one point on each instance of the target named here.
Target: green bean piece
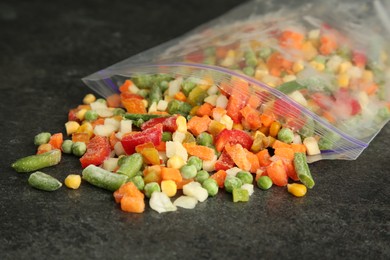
(231, 183)
(286, 135)
(42, 138)
(302, 169)
(155, 94)
(144, 117)
(187, 87)
(240, 195)
(188, 171)
(211, 186)
(264, 182)
(138, 182)
(79, 148)
(166, 136)
(201, 176)
(204, 139)
(308, 129)
(324, 144)
(130, 165)
(36, 162)
(91, 115)
(245, 177)
(143, 92)
(43, 181)
(290, 86)
(179, 107)
(102, 178)
(164, 85)
(250, 58)
(150, 188)
(143, 81)
(196, 161)
(119, 111)
(66, 146)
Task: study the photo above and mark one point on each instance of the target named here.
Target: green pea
(196, 161)
(91, 115)
(204, 139)
(79, 148)
(264, 182)
(138, 182)
(150, 188)
(231, 183)
(166, 136)
(119, 111)
(250, 71)
(265, 52)
(42, 138)
(286, 135)
(188, 171)
(211, 186)
(67, 146)
(245, 177)
(201, 176)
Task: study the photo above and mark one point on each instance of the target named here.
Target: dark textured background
(46, 47)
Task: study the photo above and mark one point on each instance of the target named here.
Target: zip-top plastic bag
(320, 69)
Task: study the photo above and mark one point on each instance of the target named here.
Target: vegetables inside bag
(321, 70)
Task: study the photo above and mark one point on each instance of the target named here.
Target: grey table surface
(46, 47)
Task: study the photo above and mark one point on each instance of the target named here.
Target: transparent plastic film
(320, 69)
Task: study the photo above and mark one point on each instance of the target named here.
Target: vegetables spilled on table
(243, 112)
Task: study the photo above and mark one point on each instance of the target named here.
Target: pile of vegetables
(167, 137)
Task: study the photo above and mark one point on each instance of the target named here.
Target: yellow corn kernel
(260, 73)
(296, 189)
(268, 141)
(169, 187)
(309, 51)
(343, 80)
(176, 162)
(318, 65)
(81, 113)
(238, 126)
(344, 66)
(86, 127)
(227, 121)
(298, 66)
(89, 98)
(71, 127)
(73, 181)
(181, 123)
(274, 128)
(215, 127)
(257, 144)
(367, 76)
(145, 102)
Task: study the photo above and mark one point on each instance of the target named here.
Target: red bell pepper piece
(224, 162)
(168, 123)
(98, 149)
(152, 134)
(232, 137)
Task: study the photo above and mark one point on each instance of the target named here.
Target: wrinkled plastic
(321, 69)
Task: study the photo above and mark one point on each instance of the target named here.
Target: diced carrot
(197, 125)
(290, 170)
(203, 152)
(87, 107)
(328, 116)
(161, 147)
(205, 110)
(254, 161)
(238, 155)
(219, 177)
(291, 39)
(99, 121)
(125, 86)
(132, 204)
(140, 147)
(80, 137)
(328, 44)
(284, 152)
(134, 105)
(280, 144)
(171, 174)
(56, 140)
(182, 183)
(235, 104)
(277, 64)
(113, 140)
(125, 95)
(180, 96)
(128, 189)
(114, 100)
(267, 119)
(254, 101)
(371, 89)
(298, 148)
(252, 117)
(277, 172)
(264, 157)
